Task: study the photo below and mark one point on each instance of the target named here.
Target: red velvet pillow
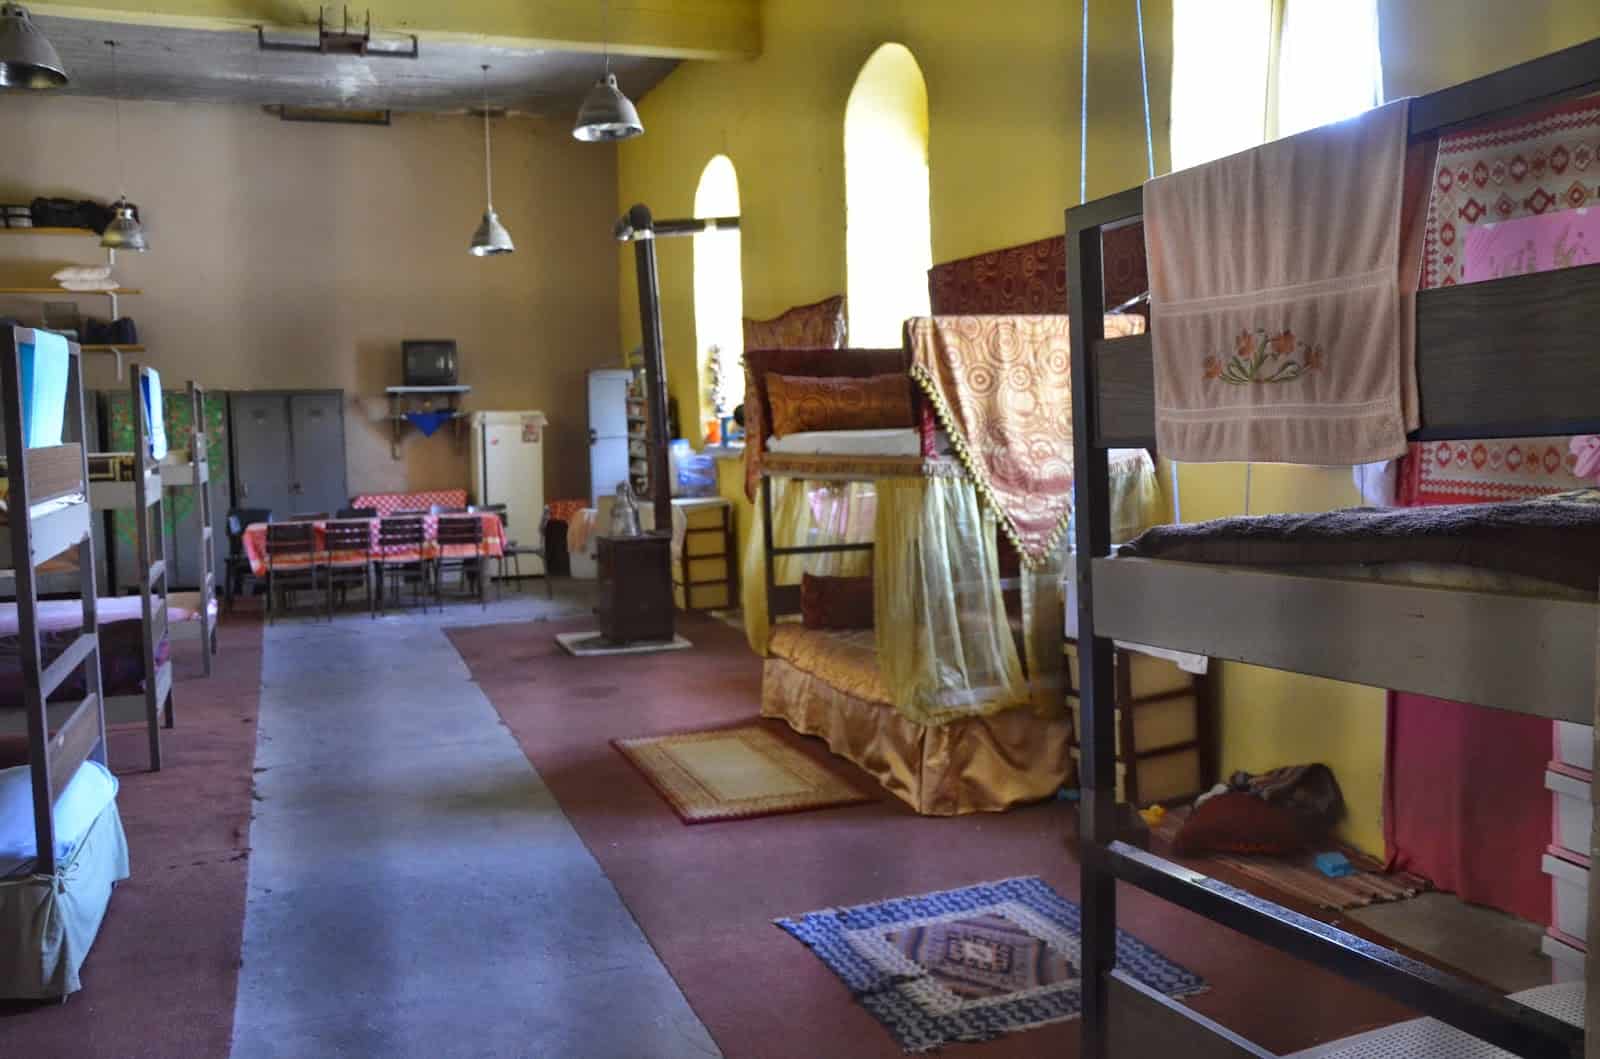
(1236, 822)
(835, 602)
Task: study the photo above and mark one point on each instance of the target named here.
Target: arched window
(888, 236)
(719, 291)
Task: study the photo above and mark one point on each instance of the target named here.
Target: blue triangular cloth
(428, 422)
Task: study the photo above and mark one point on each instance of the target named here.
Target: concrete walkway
(414, 888)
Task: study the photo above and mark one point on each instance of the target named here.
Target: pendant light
(124, 232)
(27, 58)
(491, 236)
(607, 115)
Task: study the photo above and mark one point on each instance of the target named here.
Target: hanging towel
(46, 364)
(428, 422)
(1282, 288)
(154, 414)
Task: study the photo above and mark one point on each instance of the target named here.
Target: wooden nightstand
(704, 570)
(635, 597)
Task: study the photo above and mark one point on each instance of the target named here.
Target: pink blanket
(1281, 287)
(57, 615)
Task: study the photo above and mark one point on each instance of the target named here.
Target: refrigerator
(611, 408)
(507, 467)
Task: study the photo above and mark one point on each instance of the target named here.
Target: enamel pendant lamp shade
(27, 58)
(491, 236)
(124, 232)
(607, 115)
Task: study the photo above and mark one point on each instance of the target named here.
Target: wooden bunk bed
(1502, 358)
(194, 613)
(56, 882)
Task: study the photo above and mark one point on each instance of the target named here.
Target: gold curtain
(804, 512)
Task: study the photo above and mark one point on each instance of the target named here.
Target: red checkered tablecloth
(564, 510)
(389, 503)
(255, 545)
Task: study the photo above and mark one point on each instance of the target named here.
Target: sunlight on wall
(888, 232)
(719, 290)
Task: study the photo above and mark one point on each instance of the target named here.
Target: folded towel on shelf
(1282, 285)
(82, 274)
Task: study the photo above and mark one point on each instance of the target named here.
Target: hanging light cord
(1083, 114)
(1144, 83)
(488, 166)
(116, 113)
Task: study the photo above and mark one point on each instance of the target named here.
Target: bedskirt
(49, 922)
(983, 764)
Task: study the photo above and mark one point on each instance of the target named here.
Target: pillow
(800, 402)
(835, 602)
(819, 325)
(1236, 822)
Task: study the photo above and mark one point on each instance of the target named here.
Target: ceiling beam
(676, 29)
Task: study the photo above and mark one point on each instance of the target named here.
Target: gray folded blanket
(1553, 538)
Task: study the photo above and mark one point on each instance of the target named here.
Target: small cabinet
(1163, 727)
(703, 570)
(635, 588)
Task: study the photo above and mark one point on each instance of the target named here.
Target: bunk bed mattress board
(979, 764)
(1431, 1039)
(49, 923)
(1553, 539)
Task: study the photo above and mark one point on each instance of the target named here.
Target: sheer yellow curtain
(804, 512)
(944, 644)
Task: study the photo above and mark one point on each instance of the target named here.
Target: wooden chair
(309, 516)
(291, 561)
(400, 557)
(460, 539)
(348, 559)
(357, 512)
(440, 509)
(237, 567)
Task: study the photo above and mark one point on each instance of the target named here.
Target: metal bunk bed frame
(1504, 358)
(42, 529)
(141, 495)
(200, 482)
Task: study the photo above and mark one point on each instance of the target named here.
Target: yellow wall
(1003, 156)
(289, 255)
(1003, 139)
(1267, 718)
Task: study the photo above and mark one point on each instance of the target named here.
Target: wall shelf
(63, 290)
(403, 399)
(80, 232)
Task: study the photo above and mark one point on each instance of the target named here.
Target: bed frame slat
(57, 672)
(1146, 1023)
(72, 744)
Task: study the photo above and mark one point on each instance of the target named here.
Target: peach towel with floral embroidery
(1283, 285)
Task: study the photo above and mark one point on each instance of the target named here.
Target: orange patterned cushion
(819, 325)
(800, 403)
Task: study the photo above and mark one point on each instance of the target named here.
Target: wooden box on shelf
(635, 588)
(1163, 728)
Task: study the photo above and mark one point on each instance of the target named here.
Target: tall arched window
(719, 291)
(888, 236)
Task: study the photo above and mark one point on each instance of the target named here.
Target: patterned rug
(970, 964)
(735, 774)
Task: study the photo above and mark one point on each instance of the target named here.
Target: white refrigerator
(610, 458)
(508, 468)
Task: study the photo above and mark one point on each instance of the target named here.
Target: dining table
(492, 546)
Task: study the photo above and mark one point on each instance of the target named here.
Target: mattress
(121, 650)
(90, 790)
(902, 441)
(60, 615)
(847, 659)
(1554, 540)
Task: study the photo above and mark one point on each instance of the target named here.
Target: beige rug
(735, 774)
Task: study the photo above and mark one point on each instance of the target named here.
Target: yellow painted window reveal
(888, 232)
(719, 291)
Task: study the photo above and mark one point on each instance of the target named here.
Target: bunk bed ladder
(82, 735)
(200, 462)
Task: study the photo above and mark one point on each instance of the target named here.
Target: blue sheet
(45, 366)
(156, 417)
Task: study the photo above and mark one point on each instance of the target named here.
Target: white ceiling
(208, 66)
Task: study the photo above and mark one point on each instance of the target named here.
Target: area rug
(971, 964)
(586, 644)
(735, 774)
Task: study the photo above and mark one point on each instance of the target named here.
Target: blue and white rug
(971, 964)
